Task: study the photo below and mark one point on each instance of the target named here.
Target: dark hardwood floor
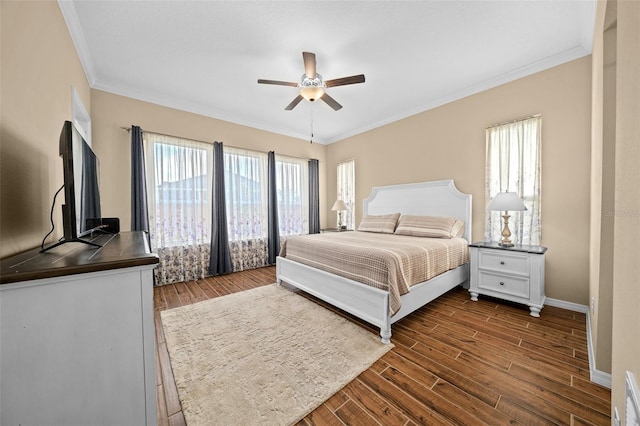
(454, 362)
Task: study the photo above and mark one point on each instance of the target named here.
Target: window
(179, 186)
(179, 194)
(347, 191)
(245, 179)
(513, 164)
(292, 183)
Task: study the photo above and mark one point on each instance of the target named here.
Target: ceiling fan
(312, 86)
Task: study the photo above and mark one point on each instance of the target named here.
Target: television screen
(86, 182)
(81, 185)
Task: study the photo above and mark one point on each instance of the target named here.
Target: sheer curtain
(346, 191)
(513, 164)
(179, 188)
(246, 197)
(292, 182)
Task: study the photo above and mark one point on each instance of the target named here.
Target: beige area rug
(265, 356)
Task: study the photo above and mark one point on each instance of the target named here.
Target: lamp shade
(507, 201)
(339, 205)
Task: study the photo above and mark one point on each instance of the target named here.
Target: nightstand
(510, 273)
(334, 230)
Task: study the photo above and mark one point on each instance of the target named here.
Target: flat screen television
(81, 186)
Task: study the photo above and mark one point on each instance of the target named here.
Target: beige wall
(602, 184)
(40, 64)
(112, 144)
(449, 142)
(615, 208)
(39, 67)
(626, 251)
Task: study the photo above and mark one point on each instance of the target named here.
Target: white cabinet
(511, 273)
(79, 348)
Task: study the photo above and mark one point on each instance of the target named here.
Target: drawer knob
(502, 262)
(501, 283)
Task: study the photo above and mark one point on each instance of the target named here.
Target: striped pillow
(430, 226)
(384, 224)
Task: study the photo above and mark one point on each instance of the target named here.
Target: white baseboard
(576, 307)
(597, 376)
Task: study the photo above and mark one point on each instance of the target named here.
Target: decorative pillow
(384, 224)
(430, 226)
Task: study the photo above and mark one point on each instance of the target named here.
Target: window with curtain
(179, 194)
(179, 183)
(513, 164)
(247, 208)
(292, 182)
(347, 190)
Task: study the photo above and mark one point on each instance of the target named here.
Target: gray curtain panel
(139, 207)
(273, 235)
(220, 261)
(314, 197)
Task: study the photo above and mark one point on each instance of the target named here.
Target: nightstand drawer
(513, 286)
(503, 261)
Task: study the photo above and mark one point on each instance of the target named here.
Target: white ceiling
(206, 56)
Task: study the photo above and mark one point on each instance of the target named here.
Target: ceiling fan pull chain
(311, 130)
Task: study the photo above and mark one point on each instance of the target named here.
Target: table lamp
(339, 206)
(506, 201)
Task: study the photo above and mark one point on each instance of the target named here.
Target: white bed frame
(436, 198)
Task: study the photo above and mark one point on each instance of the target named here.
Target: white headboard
(435, 198)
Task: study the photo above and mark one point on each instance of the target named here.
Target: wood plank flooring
(455, 362)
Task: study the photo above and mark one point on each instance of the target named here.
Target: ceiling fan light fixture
(311, 93)
(312, 87)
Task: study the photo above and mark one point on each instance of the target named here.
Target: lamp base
(506, 233)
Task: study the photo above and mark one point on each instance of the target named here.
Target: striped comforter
(386, 261)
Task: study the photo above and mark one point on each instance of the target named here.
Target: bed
(371, 304)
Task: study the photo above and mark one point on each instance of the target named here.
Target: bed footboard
(365, 302)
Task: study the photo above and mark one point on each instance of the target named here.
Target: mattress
(386, 261)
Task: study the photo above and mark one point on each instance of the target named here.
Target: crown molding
(70, 16)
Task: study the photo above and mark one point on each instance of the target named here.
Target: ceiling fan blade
(294, 102)
(309, 64)
(279, 83)
(330, 101)
(354, 79)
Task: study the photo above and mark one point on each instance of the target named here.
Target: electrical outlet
(616, 417)
(593, 305)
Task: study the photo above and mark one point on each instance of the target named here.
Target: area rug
(262, 356)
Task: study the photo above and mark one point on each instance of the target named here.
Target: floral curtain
(179, 188)
(513, 164)
(292, 182)
(246, 199)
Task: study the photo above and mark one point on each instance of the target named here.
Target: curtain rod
(128, 129)
(513, 121)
